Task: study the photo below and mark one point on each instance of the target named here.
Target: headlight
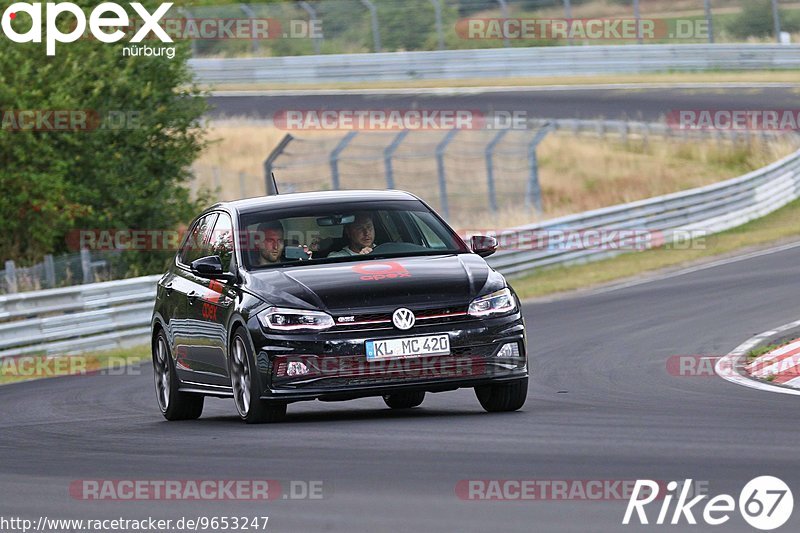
(281, 319)
(497, 303)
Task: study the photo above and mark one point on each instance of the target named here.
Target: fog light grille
(510, 349)
(296, 368)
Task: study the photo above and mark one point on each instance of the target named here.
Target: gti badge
(403, 318)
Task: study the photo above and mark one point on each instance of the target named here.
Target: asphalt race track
(622, 416)
(632, 104)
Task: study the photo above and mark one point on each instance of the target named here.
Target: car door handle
(192, 296)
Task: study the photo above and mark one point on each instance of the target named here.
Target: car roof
(289, 200)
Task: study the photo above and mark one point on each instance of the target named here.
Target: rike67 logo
(104, 23)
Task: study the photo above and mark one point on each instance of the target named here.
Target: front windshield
(342, 233)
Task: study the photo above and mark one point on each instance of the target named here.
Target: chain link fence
(483, 176)
(358, 26)
(86, 266)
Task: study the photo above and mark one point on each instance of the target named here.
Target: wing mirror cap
(483, 245)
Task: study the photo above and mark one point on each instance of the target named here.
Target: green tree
(129, 172)
(755, 20)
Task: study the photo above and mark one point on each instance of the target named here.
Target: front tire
(174, 405)
(503, 397)
(246, 394)
(404, 400)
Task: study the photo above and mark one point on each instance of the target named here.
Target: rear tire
(503, 397)
(174, 405)
(244, 382)
(404, 400)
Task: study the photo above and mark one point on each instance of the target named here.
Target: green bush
(755, 20)
(133, 177)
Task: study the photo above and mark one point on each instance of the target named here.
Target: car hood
(417, 281)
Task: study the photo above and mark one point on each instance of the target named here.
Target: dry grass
(779, 76)
(114, 362)
(576, 174)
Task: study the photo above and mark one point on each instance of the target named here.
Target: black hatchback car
(333, 296)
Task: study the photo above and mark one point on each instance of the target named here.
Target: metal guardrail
(106, 315)
(496, 63)
(708, 209)
(90, 317)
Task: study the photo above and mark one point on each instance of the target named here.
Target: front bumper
(339, 368)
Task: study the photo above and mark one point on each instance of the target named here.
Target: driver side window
(221, 242)
(197, 242)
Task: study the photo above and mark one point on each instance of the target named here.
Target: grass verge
(30, 367)
(762, 350)
(755, 76)
(781, 224)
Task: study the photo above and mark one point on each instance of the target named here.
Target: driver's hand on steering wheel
(366, 250)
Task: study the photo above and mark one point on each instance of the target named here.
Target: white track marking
(731, 366)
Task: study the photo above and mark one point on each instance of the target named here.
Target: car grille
(424, 317)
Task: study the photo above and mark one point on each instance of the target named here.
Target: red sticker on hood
(379, 271)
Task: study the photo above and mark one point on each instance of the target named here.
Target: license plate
(408, 347)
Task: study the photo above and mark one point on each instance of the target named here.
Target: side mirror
(210, 267)
(483, 245)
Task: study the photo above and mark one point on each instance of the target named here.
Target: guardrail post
(490, 168)
(269, 164)
(49, 271)
(601, 128)
(252, 14)
(533, 194)
(504, 10)
(312, 21)
(188, 15)
(568, 15)
(623, 132)
(776, 19)
(388, 152)
(86, 265)
(440, 149)
(376, 30)
(242, 187)
(437, 8)
(709, 20)
(217, 179)
(334, 158)
(11, 277)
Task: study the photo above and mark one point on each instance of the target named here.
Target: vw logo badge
(403, 318)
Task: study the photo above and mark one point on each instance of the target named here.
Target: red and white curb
(783, 364)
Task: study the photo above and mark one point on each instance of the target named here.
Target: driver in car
(361, 234)
(270, 246)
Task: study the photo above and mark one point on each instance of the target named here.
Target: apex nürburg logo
(104, 23)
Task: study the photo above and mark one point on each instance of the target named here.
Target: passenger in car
(270, 243)
(361, 234)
